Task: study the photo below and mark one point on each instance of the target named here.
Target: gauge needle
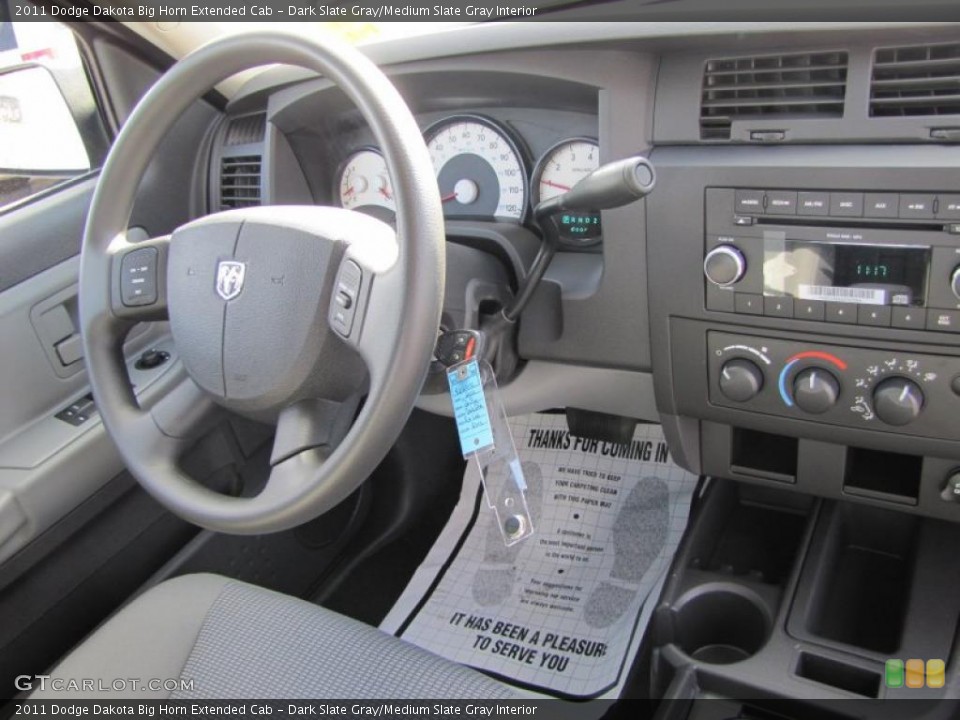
(556, 185)
(385, 193)
(448, 197)
(349, 191)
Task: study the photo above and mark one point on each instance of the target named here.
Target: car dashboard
(785, 302)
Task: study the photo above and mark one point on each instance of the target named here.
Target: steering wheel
(287, 312)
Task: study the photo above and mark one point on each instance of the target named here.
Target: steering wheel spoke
(138, 278)
(316, 426)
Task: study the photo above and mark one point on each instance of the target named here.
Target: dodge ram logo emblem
(230, 278)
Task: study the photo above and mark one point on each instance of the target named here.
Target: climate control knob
(815, 390)
(955, 281)
(740, 380)
(898, 401)
(724, 265)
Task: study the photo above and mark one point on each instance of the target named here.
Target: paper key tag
(485, 435)
(470, 408)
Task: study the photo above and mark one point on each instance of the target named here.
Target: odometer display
(479, 170)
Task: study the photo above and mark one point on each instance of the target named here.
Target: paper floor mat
(561, 613)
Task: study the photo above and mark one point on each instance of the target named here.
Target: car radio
(878, 259)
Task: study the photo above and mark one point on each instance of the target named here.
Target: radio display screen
(833, 272)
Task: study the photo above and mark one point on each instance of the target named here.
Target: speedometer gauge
(365, 185)
(562, 167)
(479, 169)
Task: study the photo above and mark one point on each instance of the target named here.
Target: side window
(50, 128)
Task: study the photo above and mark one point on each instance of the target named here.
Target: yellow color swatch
(935, 673)
(914, 673)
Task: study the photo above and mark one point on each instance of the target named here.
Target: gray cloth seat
(237, 641)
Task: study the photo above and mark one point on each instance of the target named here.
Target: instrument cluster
(482, 173)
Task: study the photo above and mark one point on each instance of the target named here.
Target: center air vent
(239, 181)
(916, 80)
(801, 85)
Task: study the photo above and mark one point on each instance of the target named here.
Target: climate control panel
(913, 393)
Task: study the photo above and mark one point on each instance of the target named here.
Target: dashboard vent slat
(799, 85)
(240, 181)
(919, 80)
(246, 130)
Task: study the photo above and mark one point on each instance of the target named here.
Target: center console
(805, 316)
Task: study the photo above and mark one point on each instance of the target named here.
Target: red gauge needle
(349, 191)
(386, 193)
(551, 183)
(449, 197)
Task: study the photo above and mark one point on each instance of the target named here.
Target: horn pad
(249, 294)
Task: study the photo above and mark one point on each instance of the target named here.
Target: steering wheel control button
(951, 492)
(740, 380)
(151, 359)
(898, 401)
(347, 289)
(815, 390)
(138, 277)
(724, 265)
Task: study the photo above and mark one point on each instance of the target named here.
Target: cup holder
(720, 623)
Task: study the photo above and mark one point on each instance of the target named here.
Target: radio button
(781, 307)
(943, 320)
(881, 205)
(842, 313)
(909, 318)
(813, 203)
(916, 207)
(781, 202)
(875, 315)
(748, 304)
(948, 207)
(809, 309)
(724, 265)
(749, 202)
(846, 204)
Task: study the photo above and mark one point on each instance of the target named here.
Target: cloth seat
(231, 640)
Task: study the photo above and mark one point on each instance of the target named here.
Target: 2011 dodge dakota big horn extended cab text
(602, 364)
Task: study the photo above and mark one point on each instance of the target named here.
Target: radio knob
(815, 390)
(898, 401)
(724, 265)
(955, 281)
(740, 380)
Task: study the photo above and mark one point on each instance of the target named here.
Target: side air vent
(801, 85)
(916, 80)
(239, 181)
(246, 130)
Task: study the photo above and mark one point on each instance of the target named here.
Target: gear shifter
(609, 186)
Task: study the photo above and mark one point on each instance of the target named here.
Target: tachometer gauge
(560, 168)
(365, 185)
(479, 169)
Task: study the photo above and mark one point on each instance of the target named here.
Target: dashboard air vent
(916, 80)
(246, 130)
(801, 85)
(239, 181)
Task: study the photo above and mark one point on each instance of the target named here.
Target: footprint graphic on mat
(639, 533)
(493, 582)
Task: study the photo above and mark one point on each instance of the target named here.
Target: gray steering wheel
(287, 312)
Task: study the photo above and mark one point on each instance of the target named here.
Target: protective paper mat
(563, 612)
